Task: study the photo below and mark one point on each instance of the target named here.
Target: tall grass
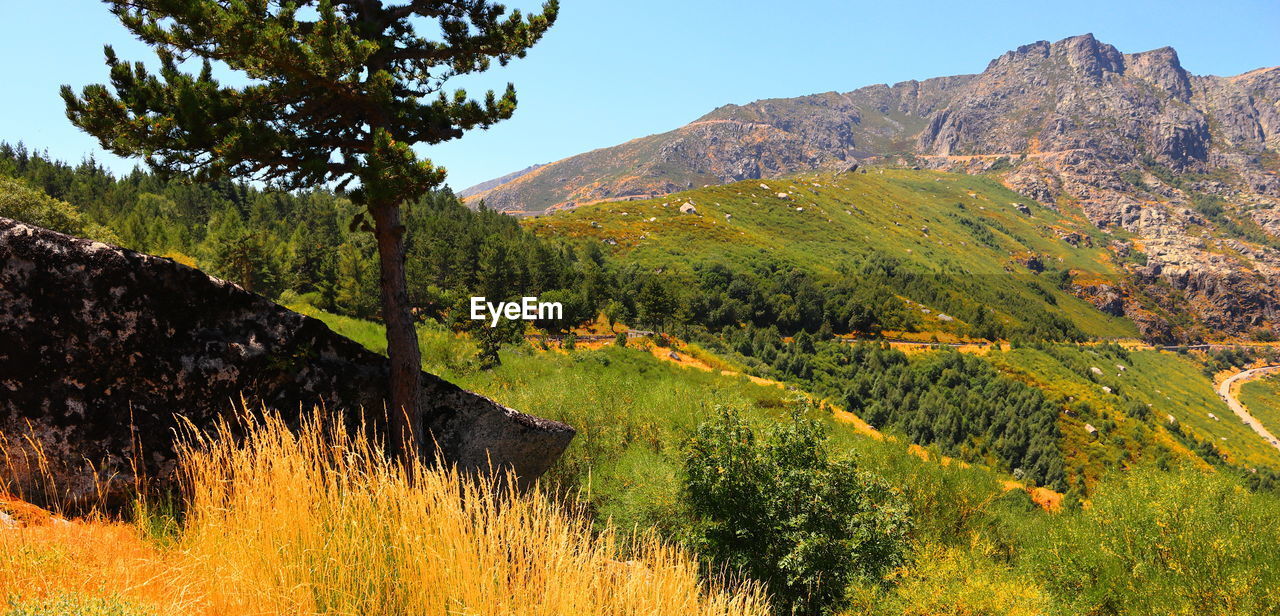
(319, 521)
(1156, 543)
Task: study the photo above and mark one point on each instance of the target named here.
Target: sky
(610, 71)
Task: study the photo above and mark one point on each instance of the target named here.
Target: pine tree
(656, 304)
(338, 92)
(312, 263)
(233, 251)
(355, 292)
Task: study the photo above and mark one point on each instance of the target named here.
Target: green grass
(634, 413)
(631, 410)
(1150, 542)
(1262, 399)
(973, 233)
(1160, 543)
(1166, 383)
(72, 605)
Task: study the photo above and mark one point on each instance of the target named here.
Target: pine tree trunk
(405, 421)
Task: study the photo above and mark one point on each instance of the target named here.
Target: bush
(783, 511)
(1163, 543)
(26, 204)
(956, 582)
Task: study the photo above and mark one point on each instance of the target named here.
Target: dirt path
(1228, 390)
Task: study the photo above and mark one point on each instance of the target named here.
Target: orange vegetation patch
(918, 452)
(600, 326)
(555, 346)
(684, 360)
(21, 513)
(1047, 499)
(930, 336)
(923, 454)
(90, 560)
(910, 348)
(1043, 497)
(856, 422)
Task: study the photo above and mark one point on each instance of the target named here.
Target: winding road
(1226, 391)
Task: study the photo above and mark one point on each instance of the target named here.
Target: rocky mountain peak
(1036, 51)
(1088, 55)
(1133, 140)
(1084, 54)
(1077, 113)
(1161, 68)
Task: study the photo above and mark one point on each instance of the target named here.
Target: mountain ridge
(1129, 141)
(839, 127)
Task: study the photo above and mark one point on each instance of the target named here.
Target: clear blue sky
(611, 71)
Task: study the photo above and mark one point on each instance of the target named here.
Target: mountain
(483, 186)
(1130, 142)
(1057, 107)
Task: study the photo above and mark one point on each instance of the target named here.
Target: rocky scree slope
(1187, 164)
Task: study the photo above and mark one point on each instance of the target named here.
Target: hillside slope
(1187, 163)
(948, 245)
(1053, 111)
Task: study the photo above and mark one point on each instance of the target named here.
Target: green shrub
(784, 512)
(1163, 543)
(23, 203)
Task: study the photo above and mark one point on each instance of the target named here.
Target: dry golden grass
(319, 522)
(91, 559)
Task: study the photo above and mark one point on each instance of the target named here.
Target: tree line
(779, 320)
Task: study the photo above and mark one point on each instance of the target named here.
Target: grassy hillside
(1262, 398)
(977, 547)
(1132, 420)
(284, 523)
(962, 237)
(633, 412)
(631, 408)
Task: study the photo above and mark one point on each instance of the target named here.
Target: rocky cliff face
(1133, 140)
(1138, 144)
(101, 349)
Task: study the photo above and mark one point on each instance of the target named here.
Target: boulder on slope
(102, 348)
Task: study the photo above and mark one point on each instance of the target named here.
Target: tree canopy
(338, 89)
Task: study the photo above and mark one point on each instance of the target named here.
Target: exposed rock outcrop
(101, 348)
